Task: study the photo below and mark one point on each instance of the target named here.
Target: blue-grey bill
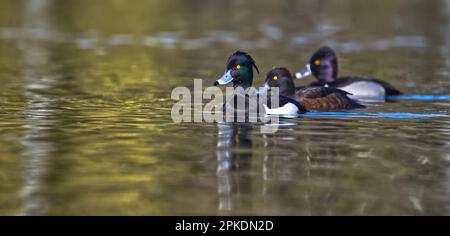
(304, 73)
(225, 79)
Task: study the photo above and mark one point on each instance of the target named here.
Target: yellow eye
(238, 67)
(275, 77)
(317, 62)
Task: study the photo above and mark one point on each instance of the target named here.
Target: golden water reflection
(85, 124)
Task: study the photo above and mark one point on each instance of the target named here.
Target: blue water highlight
(393, 115)
(419, 97)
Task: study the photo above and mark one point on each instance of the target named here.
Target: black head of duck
(239, 70)
(323, 65)
(281, 78)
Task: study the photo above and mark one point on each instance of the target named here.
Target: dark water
(85, 125)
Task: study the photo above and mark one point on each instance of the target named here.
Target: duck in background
(323, 64)
(311, 97)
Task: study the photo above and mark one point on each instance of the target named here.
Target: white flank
(365, 90)
(288, 109)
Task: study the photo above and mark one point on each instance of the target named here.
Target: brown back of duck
(331, 102)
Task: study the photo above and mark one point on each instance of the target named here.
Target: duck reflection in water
(307, 175)
(286, 160)
(233, 154)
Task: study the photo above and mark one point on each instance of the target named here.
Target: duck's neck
(288, 90)
(245, 80)
(289, 93)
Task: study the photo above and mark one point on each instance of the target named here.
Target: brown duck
(311, 97)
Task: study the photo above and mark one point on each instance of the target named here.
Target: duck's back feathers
(318, 91)
(325, 99)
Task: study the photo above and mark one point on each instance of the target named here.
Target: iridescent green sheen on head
(240, 65)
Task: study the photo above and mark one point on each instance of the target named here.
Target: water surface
(85, 126)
